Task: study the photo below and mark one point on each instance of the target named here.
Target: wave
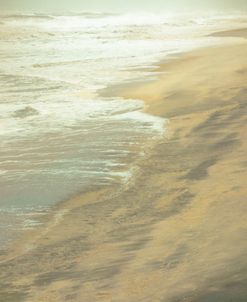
(44, 65)
(27, 16)
(94, 15)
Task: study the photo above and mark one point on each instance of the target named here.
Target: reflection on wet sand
(177, 232)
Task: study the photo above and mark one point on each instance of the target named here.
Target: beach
(176, 231)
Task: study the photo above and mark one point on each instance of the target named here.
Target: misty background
(119, 5)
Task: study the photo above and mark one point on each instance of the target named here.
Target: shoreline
(165, 225)
(26, 241)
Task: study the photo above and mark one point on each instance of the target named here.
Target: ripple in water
(58, 137)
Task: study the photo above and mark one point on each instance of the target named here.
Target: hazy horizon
(120, 6)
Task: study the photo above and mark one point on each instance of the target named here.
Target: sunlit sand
(171, 228)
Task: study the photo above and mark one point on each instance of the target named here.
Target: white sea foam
(58, 136)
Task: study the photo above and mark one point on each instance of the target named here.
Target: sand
(241, 32)
(177, 231)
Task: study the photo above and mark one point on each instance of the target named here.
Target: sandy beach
(177, 230)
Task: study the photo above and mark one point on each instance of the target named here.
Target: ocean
(59, 136)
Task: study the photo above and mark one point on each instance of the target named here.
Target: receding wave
(59, 135)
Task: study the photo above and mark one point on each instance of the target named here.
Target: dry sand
(178, 231)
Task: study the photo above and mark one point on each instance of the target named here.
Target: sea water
(58, 136)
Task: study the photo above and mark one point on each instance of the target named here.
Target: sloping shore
(177, 233)
(242, 33)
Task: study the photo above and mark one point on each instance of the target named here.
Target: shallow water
(58, 136)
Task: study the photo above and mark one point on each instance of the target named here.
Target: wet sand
(177, 232)
(241, 32)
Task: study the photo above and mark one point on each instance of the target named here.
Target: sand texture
(178, 231)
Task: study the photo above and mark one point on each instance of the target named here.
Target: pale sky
(120, 5)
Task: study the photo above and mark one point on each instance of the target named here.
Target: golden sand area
(178, 231)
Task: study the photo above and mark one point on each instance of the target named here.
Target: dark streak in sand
(122, 227)
(201, 170)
